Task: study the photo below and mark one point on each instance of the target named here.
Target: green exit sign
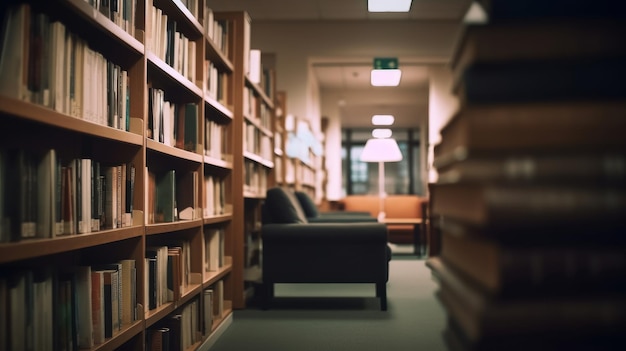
(385, 63)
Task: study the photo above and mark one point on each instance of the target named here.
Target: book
(43, 316)
(174, 274)
(5, 227)
(13, 65)
(175, 325)
(191, 127)
(83, 306)
(166, 210)
(64, 328)
(158, 339)
(187, 195)
(151, 280)
(46, 194)
(509, 10)
(213, 250)
(67, 201)
(207, 304)
(533, 127)
(456, 340)
(557, 80)
(111, 302)
(535, 269)
(111, 197)
(533, 41)
(255, 66)
(114, 278)
(129, 291)
(600, 168)
(16, 289)
(481, 317)
(526, 206)
(98, 306)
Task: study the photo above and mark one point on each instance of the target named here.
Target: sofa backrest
(307, 204)
(396, 206)
(282, 206)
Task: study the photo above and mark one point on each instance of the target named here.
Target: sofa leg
(268, 295)
(381, 293)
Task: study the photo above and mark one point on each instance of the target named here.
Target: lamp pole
(381, 190)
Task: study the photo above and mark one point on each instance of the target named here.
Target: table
(418, 248)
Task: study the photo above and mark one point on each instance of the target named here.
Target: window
(362, 177)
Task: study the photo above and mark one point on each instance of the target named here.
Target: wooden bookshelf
(252, 159)
(171, 123)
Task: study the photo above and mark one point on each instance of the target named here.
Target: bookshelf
(122, 159)
(304, 169)
(253, 161)
(528, 206)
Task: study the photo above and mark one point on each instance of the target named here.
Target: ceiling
(352, 78)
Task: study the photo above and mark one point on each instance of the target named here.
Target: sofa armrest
(351, 233)
(346, 213)
(338, 218)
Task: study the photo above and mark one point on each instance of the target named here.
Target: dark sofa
(297, 251)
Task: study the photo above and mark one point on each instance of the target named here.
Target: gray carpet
(321, 317)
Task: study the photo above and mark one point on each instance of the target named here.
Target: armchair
(297, 251)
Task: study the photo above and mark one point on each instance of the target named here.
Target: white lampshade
(385, 77)
(381, 150)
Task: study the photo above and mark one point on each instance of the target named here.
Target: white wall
(297, 43)
(443, 105)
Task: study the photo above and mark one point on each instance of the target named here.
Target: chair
(313, 215)
(298, 251)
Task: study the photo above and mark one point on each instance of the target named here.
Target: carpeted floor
(323, 317)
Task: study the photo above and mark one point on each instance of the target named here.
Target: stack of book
(532, 180)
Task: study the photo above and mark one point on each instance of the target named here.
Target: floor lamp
(381, 151)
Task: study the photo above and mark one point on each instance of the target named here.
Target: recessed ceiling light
(388, 5)
(385, 77)
(382, 120)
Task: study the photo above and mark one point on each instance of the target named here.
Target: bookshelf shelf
(160, 228)
(213, 276)
(168, 78)
(27, 249)
(218, 108)
(173, 152)
(105, 26)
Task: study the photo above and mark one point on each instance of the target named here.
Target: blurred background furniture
(409, 207)
(297, 251)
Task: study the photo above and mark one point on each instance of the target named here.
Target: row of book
(168, 273)
(257, 142)
(68, 309)
(216, 30)
(178, 331)
(45, 196)
(43, 62)
(255, 178)
(190, 323)
(216, 139)
(214, 196)
(216, 83)
(170, 123)
(120, 12)
(530, 198)
(214, 258)
(165, 40)
(256, 110)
